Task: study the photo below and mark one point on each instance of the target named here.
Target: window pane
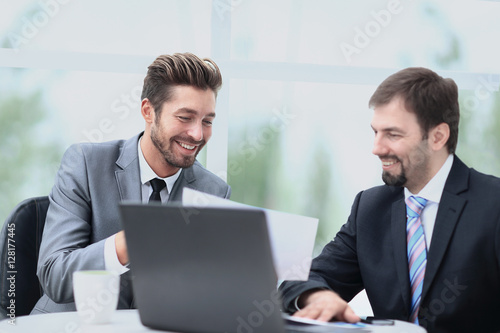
(112, 26)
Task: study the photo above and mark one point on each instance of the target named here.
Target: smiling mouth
(388, 163)
(186, 146)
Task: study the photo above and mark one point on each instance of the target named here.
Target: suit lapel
(449, 211)
(398, 226)
(186, 177)
(128, 173)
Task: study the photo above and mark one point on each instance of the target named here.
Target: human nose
(196, 131)
(379, 148)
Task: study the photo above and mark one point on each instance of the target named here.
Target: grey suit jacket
(93, 178)
(461, 290)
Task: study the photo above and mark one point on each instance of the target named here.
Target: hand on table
(325, 305)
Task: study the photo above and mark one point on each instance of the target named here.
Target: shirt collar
(433, 190)
(147, 173)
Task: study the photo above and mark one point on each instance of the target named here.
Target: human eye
(182, 118)
(393, 136)
(207, 122)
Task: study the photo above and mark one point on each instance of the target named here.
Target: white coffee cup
(96, 295)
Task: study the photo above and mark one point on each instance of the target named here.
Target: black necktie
(157, 185)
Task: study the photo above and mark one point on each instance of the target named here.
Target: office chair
(19, 245)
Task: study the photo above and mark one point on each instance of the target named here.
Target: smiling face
(400, 144)
(175, 135)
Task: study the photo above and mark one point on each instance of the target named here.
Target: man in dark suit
(82, 229)
(426, 246)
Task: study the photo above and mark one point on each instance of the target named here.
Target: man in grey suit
(426, 246)
(82, 229)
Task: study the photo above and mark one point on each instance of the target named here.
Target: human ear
(438, 136)
(147, 111)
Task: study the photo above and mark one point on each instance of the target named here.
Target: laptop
(202, 269)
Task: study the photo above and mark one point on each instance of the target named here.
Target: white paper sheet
(292, 236)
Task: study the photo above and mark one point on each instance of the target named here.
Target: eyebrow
(388, 129)
(194, 112)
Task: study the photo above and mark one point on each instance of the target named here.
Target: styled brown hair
(168, 71)
(432, 98)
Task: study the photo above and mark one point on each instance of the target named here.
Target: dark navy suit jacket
(461, 291)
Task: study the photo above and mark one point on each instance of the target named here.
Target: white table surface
(126, 321)
(123, 321)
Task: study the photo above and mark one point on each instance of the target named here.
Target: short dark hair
(432, 98)
(186, 69)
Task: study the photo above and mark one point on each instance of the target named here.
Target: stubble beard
(419, 168)
(167, 153)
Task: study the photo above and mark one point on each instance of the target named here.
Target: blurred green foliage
(29, 153)
(255, 166)
(252, 170)
(478, 143)
(255, 175)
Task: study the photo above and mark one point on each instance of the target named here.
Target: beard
(178, 161)
(415, 173)
(395, 180)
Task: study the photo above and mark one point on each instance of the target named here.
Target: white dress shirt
(110, 257)
(432, 192)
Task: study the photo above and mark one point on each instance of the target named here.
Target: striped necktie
(417, 253)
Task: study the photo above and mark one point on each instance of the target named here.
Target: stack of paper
(292, 236)
(295, 324)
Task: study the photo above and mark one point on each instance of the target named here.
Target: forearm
(336, 268)
(56, 267)
(292, 290)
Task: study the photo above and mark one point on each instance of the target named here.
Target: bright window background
(293, 127)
